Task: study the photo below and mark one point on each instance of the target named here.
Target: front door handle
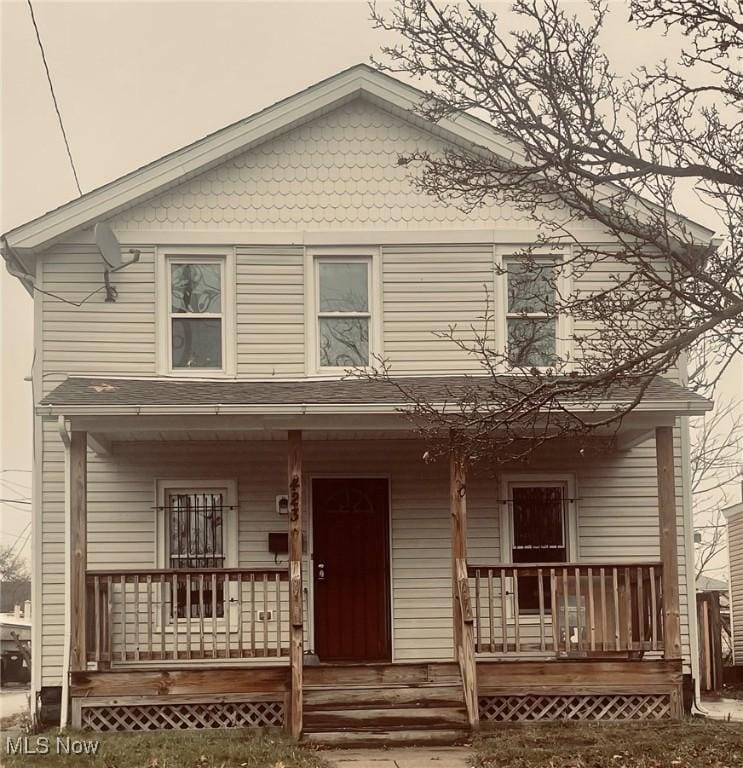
(321, 571)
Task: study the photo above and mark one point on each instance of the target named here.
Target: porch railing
(567, 609)
(170, 614)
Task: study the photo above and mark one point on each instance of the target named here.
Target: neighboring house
(255, 540)
(734, 516)
(15, 640)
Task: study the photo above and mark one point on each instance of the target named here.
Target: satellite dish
(110, 251)
(108, 245)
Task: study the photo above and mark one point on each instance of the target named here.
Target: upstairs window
(344, 320)
(531, 324)
(196, 314)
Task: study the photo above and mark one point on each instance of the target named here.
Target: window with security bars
(196, 540)
(539, 536)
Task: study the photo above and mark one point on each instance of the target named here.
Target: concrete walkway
(404, 757)
(724, 709)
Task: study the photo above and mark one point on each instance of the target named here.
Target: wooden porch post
(296, 640)
(668, 542)
(464, 639)
(78, 469)
(458, 511)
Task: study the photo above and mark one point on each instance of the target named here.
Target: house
(230, 531)
(734, 516)
(15, 640)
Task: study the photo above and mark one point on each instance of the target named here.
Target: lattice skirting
(604, 706)
(181, 715)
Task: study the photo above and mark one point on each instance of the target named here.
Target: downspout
(691, 585)
(64, 709)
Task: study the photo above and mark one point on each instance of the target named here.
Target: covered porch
(590, 638)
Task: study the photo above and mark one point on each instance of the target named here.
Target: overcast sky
(136, 80)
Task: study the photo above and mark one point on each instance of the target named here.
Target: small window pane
(197, 343)
(344, 341)
(532, 341)
(344, 287)
(196, 288)
(530, 287)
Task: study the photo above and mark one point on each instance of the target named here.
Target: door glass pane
(197, 343)
(344, 287)
(532, 341)
(196, 287)
(344, 341)
(530, 287)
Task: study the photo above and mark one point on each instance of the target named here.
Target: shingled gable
(30, 239)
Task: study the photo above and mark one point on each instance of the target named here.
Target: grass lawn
(689, 744)
(174, 749)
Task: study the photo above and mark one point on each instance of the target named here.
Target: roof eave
(680, 408)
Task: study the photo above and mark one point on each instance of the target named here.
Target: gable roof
(178, 166)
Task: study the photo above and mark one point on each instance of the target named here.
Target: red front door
(350, 521)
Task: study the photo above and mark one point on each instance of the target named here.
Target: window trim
(230, 531)
(507, 481)
(563, 326)
(202, 255)
(342, 255)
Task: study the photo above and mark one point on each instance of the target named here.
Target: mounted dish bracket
(110, 251)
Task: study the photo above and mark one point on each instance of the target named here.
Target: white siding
(735, 555)
(270, 311)
(426, 289)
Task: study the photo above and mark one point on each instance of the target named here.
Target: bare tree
(583, 144)
(12, 566)
(716, 462)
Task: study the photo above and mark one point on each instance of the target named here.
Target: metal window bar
(196, 541)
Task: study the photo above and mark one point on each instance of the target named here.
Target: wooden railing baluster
(504, 610)
(653, 610)
(640, 608)
(516, 632)
(162, 615)
(122, 615)
(540, 592)
(578, 623)
(277, 612)
(615, 590)
(136, 617)
(214, 615)
(591, 613)
(566, 602)
(174, 612)
(478, 623)
(491, 610)
(97, 617)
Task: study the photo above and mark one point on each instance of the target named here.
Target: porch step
(382, 738)
(400, 714)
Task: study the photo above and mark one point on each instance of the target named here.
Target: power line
(15, 501)
(54, 97)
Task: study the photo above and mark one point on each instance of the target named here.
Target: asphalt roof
(104, 391)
